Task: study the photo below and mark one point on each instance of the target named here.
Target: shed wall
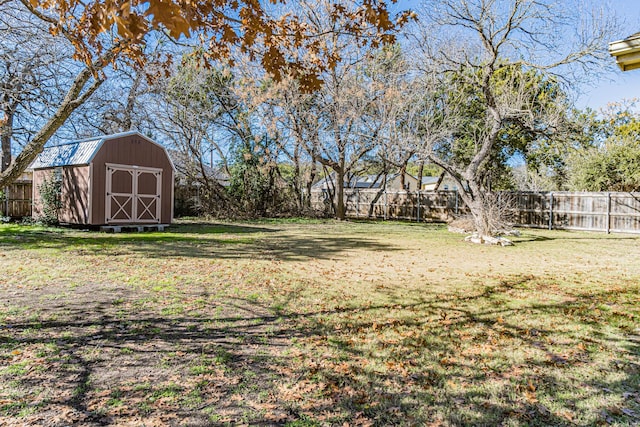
(74, 194)
(38, 178)
(130, 150)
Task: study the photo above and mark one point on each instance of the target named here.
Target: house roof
(627, 52)
(79, 152)
(430, 180)
(366, 181)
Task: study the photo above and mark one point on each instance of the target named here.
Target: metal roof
(81, 152)
(72, 153)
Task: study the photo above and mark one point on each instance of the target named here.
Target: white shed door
(133, 194)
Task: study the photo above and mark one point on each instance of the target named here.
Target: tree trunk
(340, 208)
(127, 120)
(309, 184)
(480, 206)
(403, 171)
(297, 179)
(379, 194)
(420, 173)
(6, 132)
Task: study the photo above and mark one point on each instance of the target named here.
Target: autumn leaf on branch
(219, 25)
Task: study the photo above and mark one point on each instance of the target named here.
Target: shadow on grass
(111, 356)
(189, 240)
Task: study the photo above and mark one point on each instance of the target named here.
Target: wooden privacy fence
(394, 204)
(17, 200)
(607, 212)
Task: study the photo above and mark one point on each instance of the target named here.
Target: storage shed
(121, 179)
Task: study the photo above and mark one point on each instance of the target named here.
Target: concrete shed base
(130, 228)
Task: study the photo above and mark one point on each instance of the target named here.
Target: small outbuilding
(120, 179)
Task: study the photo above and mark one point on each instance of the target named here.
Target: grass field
(304, 323)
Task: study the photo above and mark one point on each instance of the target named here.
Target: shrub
(50, 192)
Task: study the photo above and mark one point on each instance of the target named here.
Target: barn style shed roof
(77, 153)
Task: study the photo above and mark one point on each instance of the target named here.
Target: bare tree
(33, 65)
(293, 118)
(119, 105)
(504, 81)
(84, 81)
(336, 125)
(102, 32)
(197, 113)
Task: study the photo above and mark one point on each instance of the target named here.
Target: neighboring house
(627, 52)
(430, 183)
(441, 182)
(117, 179)
(410, 182)
(394, 182)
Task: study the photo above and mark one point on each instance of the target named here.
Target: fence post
(418, 195)
(6, 201)
(456, 190)
(386, 205)
(608, 213)
(550, 211)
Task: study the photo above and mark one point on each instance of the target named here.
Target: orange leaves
(169, 15)
(229, 35)
(285, 43)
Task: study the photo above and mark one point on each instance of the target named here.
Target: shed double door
(133, 194)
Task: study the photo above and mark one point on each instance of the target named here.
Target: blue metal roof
(69, 154)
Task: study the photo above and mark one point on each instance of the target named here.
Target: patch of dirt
(92, 355)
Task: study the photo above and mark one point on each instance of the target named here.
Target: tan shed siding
(91, 198)
(39, 177)
(130, 150)
(75, 195)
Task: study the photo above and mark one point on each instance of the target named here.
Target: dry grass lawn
(305, 323)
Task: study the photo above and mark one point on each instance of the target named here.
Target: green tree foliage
(529, 135)
(612, 167)
(612, 163)
(249, 184)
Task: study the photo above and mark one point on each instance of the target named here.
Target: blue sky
(616, 85)
(611, 84)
